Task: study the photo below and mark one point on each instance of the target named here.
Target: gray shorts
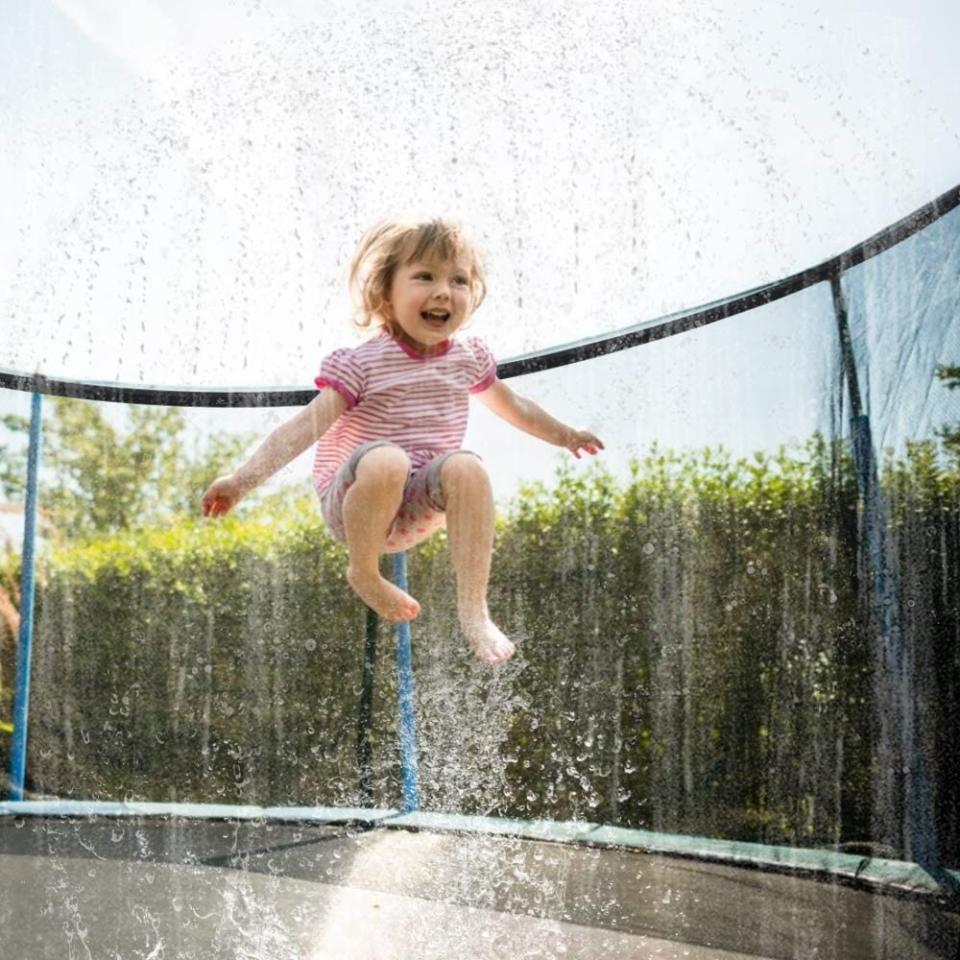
(421, 512)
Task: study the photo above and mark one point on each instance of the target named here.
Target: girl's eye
(459, 279)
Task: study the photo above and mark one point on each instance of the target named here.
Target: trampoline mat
(167, 889)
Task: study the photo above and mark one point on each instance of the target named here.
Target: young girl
(389, 419)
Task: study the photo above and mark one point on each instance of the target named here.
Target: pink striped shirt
(419, 401)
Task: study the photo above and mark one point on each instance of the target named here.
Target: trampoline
(99, 876)
(148, 879)
(730, 729)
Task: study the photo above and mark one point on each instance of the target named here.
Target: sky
(183, 185)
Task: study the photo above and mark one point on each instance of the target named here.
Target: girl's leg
(470, 525)
(369, 508)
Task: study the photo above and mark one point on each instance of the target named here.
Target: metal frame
(876, 874)
(21, 703)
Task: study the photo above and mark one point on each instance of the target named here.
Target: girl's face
(429, 301)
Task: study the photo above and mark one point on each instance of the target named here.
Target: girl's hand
(578, 440)
(221, 497)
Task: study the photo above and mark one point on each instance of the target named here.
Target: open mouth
(435, 318)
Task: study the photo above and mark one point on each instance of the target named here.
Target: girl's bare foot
(381, 596)
(486, 639)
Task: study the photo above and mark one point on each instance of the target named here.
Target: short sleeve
(340, 371)
(483, 371)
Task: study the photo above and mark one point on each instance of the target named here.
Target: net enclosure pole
(408, 734)
(905, 793)
(366, 709)
(21, 704)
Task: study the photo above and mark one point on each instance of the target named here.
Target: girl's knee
(385, 463)
(461, 468)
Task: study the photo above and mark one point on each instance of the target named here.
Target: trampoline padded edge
(894, 875)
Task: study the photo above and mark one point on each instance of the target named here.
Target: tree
(950, 436)
(102, 473)
(13, 464)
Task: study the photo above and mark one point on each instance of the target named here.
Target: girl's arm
(526, 415)
(285, 443)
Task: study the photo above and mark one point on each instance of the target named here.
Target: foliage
(950, 435)
(694, 654)
(13, 464)
(101, 476)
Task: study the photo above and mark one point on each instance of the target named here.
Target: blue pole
(21, 707)
(900, 725)
(408, 734)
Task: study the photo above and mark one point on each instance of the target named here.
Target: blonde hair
(390, 244)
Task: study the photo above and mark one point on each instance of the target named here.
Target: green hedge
(696, 655)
